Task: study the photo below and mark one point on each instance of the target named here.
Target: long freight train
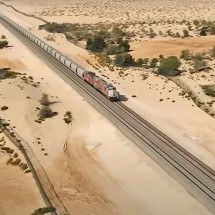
(98, 83)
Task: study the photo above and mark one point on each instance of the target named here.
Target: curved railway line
(193, 174)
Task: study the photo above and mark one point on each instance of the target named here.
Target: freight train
(91, 78)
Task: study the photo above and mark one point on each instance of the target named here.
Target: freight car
(98, 83)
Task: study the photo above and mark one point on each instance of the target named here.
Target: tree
(3, 44)
(169, 66)
(124, 59)
(212, 52)
(125, 45)
(139, 62)
(111, 49)
(45, 100)
(153, 62)
(203, 31)
(198, 56)
(97, 44)
(196, 22)
(200, 65)
(185, 33)
(185, 54)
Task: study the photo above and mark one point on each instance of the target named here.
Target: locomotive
(105, 88)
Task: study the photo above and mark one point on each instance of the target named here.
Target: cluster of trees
(110, 43)
(199, 60)
(167, 66)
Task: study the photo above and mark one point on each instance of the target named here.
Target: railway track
(193, 174)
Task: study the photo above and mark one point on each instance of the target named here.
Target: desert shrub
(212, 30)
(53, 27)
(23, 166)
(16, 162)
(3, 108)
(169, 66)
(177, 35)
(209, 89)
(44, 100)
(198, 56)
(212, 52)
(185, 54)
(153, 62)
(42, 211)
(152, 34)
(139, 62)
(185, 33)
(97, 44)
(117, 32)
(125, 45)
(3, 44)
(7, 73)
(3, 37)
(111, 49)
(200, 65)
(46, 112)
(203, 31)
(68, 117)
(124, 60)
(196, 22)
(169, 33)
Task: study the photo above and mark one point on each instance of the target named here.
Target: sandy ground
(18, 191)
(117, 11)
(99, 173)
(169, 47)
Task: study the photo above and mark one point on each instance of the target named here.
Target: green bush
(185, 33)
(117, 32)
(97, 44)
(212, 52)
(124, 60)
(209, 89)
(185, 54)
(153, 62)
(111, 49)
(46, 112)
(200, 65)
(44, 100)
(139, 62)
(169, 66)
(125, 45)
(3, 44)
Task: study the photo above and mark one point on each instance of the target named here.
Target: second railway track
(193, 174)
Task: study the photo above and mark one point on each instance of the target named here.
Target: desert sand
(18, 190)
(101, 173)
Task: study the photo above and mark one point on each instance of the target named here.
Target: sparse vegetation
(45, 111)
(7, 73)
(209, 90)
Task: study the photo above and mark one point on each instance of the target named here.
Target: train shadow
(123, 98)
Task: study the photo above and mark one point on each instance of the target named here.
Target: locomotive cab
(112, 93)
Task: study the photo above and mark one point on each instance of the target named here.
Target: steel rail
(147, 137)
